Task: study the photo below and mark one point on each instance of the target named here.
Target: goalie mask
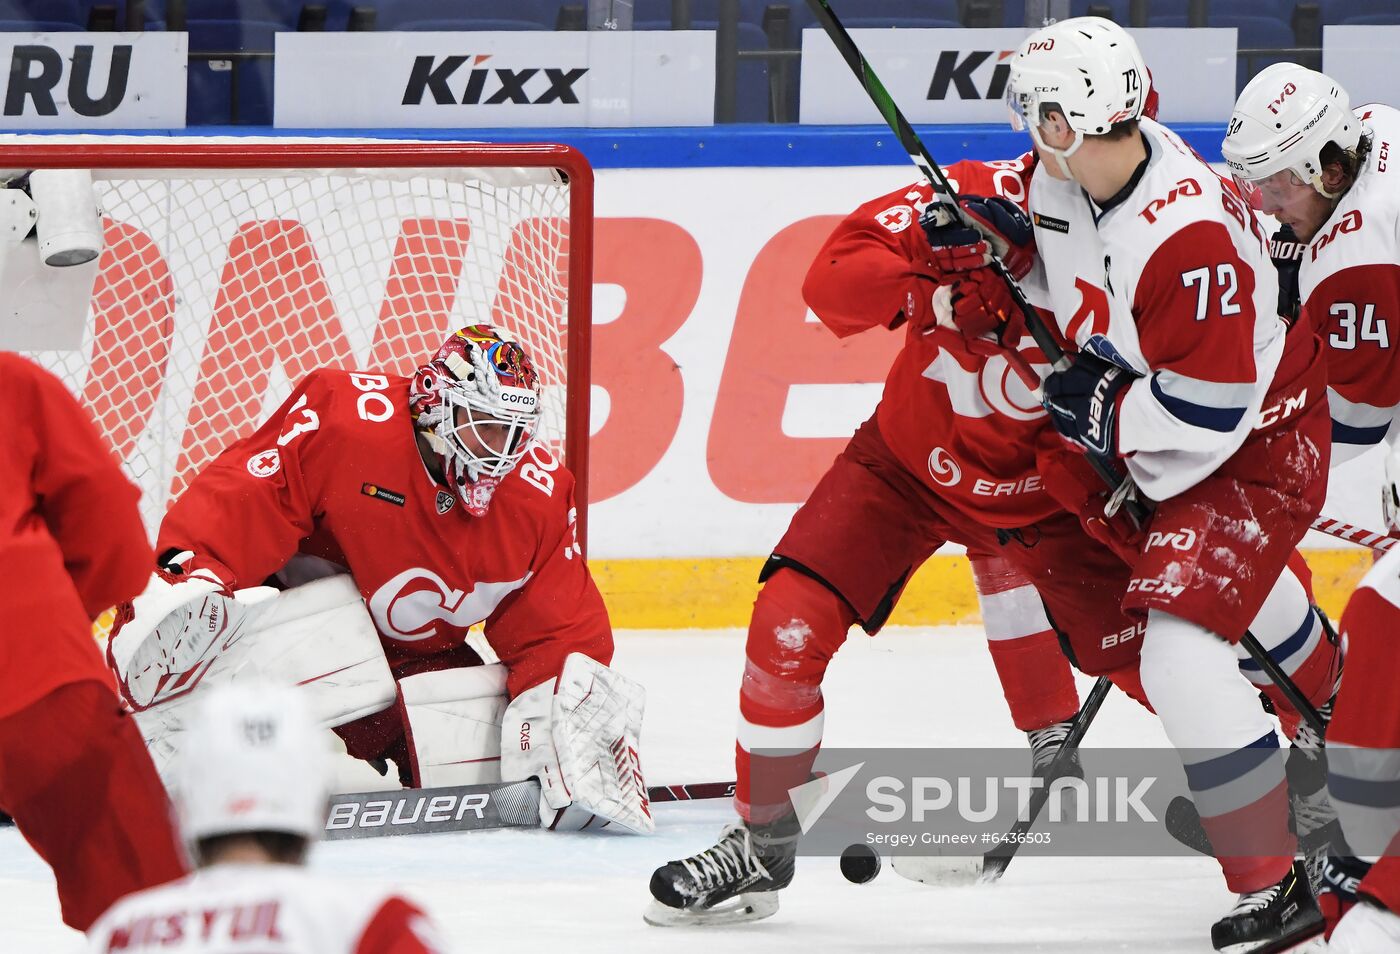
(477, 401)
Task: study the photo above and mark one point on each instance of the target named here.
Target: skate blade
(1305, 939)
(740, 910)
(944, 871)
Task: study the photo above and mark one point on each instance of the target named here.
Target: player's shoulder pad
(355, 399)
(895, 211)
(541, 483)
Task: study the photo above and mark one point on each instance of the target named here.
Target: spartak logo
(952, 71)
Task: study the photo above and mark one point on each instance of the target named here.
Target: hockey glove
(1073, 484)
(1340, 880)
(1083, 403)
(1000, 226)
(1287, 253)
(980, 308)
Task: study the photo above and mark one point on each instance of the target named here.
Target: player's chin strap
(579, 735)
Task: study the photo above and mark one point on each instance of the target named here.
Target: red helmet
(478, 402)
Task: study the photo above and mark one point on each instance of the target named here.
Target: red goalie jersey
(964, 423)
(335, 473)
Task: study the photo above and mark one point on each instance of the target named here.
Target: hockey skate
(735, 881)
(1046, 744)
(1272, 919)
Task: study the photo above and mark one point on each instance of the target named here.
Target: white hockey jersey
(1349, 283)
(264, 909)
(1173, 282)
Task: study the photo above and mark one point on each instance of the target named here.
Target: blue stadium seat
(1277, 9)
(466, 25)
(1360, 11)
(1118, 9)
(1255, 33)
(210, 90)
(1376, 19)
(394, 14)
(884, 13)
(750, 11)
(752, 93)
(38, 26)
(47, 12)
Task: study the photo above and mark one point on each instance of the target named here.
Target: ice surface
(586, 892)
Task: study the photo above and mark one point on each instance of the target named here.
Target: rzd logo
(431, 75)
(952, 71)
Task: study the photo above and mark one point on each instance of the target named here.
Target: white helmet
(1283, 119)
(254, 760)
(1087, 68)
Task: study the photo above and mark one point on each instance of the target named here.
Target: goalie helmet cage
(231, 269)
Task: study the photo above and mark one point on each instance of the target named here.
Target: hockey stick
(1383, 542)
(466, 808)
(946, 198)
(953, 871)
(995, 862)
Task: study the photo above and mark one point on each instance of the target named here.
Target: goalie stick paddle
(416, 811)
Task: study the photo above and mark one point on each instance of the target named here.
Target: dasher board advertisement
(520, 79)
(94, 80)
(959, 76)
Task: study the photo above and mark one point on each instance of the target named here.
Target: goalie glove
(165, 640)
(579, 735)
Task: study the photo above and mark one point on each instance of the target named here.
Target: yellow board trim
(718, 593)
(714, 593)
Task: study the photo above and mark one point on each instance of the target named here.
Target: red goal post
(231, 268)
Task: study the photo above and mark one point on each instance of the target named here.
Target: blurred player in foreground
(434, 496)
(251, 790)
(73, 771)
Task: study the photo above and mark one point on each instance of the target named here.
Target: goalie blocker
(577, 733)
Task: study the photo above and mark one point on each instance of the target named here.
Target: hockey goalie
(347, 547)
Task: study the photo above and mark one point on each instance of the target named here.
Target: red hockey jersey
(335, 473)
(71, 538)
(964, 423)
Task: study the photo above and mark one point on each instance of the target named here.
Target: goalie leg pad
(452, 725)
(318, 638)
(579, 734)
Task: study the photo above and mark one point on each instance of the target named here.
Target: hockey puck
(860, 864)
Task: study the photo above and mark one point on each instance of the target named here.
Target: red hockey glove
(1072, 483)
(982, 305)
(1001, 227)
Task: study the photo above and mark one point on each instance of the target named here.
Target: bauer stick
(417, 811)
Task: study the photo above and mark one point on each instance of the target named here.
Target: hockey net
(232, 269)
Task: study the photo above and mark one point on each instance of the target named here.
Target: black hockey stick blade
(1183, 823)
(416, 811)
